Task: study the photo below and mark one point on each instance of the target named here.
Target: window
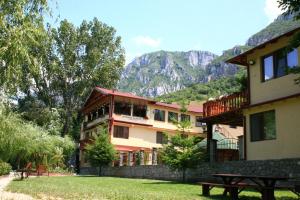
(198, 122)
(140, 110)
(185, 117)
(172, 117)
(159, 115)
(262, 126)
(161, 138)
(121, 132)
(94, 113)
(122, 108)
(276, 64)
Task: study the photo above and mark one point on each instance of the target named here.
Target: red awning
(130, 148)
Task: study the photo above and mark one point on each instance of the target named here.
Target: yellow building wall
(138, 137)
(274, 88)
(287, 142)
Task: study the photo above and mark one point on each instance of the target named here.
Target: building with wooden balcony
(270, 109)
(136, 125)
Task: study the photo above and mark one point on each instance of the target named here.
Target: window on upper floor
(198, 121)
(159, 115)
(122, 108)
(121, 132)
(161, 138)
(185, 117)
(139, 110)
(172, 117)
(263, 126)
(276, 64)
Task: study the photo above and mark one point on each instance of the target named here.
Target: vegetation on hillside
(202, 92)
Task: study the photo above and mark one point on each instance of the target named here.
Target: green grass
(88, 187)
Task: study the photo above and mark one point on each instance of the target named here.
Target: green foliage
(5, 168)
(101, 152)
(21, 29)
(182, 153)
(202, 92)
(22, 142)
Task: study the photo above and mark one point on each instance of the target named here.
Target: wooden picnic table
(264, 184)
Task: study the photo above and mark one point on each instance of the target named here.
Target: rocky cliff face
(162, 72)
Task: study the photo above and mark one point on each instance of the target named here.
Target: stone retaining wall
(282, 167)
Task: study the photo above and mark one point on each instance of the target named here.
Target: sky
(173, 25)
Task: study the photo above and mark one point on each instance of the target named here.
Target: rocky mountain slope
(164, 72)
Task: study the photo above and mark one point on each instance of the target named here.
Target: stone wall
(283, 167)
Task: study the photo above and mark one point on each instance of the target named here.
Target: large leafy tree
(21, 27)
(101, 152)
(86, 56)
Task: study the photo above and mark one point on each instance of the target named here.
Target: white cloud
(147, 41)
(271, 9)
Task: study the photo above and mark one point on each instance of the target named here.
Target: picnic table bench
(236, 183)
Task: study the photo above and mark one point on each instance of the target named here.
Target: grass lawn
(87, 187)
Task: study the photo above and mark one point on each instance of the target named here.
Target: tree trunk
(100, 169)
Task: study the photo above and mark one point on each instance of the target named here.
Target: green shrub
(5, 168)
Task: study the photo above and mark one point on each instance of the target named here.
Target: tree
(292, 7)
(100, 152)
(182, 152)
(21, 27)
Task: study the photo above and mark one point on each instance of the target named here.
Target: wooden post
(209, 138)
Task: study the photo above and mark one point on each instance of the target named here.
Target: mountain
(164, 72)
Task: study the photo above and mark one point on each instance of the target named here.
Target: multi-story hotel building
(137, 126)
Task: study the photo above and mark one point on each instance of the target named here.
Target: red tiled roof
(191, 108)
(130, 148)
(121, 94)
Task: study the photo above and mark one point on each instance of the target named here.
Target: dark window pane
(280, 63)
(292, 58)
(172, 117)
(268, 68)
(159, 115)
(262, 126)
(161, 138)
(121, 132)
(198, 121)
(139, 110)
(269, 125)
(122, 108)
(185, 117)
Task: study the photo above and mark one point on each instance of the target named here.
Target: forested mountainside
(163, 72)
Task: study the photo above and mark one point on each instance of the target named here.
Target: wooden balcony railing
(228, 103)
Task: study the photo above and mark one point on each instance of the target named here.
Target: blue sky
(174, 25)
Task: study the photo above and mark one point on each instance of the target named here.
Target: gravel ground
(4, 181)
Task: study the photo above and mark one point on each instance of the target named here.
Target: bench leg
(205, 190)
(268, 194)
(234, 193)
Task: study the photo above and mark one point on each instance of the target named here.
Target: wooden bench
(233, 189)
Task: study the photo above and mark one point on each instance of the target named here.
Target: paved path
(4, 181)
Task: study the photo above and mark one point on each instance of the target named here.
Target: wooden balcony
(229, 103)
